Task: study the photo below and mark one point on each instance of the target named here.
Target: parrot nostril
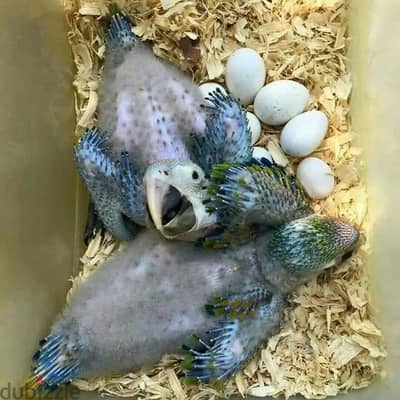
(166, 173)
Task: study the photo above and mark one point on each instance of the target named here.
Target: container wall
(375, 61)
(38, 197)
(39, 207)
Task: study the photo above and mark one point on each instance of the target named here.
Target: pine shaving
(329, 342)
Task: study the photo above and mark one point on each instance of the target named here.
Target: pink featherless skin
(149, 108)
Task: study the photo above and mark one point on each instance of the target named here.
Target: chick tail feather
(54, 364)
(120, 32)
(34, 387)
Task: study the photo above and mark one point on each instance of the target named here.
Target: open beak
(172, 213)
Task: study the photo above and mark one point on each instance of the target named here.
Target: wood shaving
(329, 342)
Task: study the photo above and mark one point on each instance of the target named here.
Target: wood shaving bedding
(329, 342)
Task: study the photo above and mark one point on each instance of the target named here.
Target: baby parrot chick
(227, 139)
(154, 141)
(149, 299)
(147, 112)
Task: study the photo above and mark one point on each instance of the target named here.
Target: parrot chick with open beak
(227, 139)
(150, 298)
(155, 143)
(242, 196)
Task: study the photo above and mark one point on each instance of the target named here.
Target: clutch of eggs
(281, 102)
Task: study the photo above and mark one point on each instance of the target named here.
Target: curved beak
(156, 190)
(174, 214)
(171, 211)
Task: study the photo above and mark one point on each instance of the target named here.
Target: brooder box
(43, 205)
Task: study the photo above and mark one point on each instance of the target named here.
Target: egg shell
(316, 177)
(255, 127)
(279, 101)
(304, 133)
(260, 152)
(245, 74)
(209, 87)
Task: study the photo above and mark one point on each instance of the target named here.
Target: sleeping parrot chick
(149, 299)
(147, 155)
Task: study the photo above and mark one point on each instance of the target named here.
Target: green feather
(257, 193)
(234, 236)
(187, 362)
(311, 243)
(239, 306)
(190, 380)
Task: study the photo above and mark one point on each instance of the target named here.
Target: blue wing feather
(120, 33)
(228, 136)
(132, 190)
(246, 319)
(114, 186)
(259, 192)
(55, 363)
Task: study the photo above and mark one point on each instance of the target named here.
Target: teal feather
(257, 193)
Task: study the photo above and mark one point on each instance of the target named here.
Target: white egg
(260, 152)
(316, 176)
(304, 133)
(279, 101)
(209, 87)
(245, 74)
(255, 127)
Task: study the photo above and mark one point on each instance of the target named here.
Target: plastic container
(40, 233)
(42, 206)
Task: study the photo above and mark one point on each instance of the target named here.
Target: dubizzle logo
(65, 392)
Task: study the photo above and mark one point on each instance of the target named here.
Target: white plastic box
(42, 210)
